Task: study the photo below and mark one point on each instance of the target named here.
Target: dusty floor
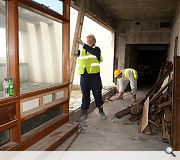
(76, 96)
(114, 134)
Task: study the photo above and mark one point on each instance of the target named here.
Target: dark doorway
(147, 60)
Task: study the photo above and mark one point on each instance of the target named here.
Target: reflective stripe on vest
(88, 61)
(127, 70)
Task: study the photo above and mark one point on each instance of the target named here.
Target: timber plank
(56, 138)
(40, 132)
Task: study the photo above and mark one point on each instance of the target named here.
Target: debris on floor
(155, 108)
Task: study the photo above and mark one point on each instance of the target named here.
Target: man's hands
(80, 42)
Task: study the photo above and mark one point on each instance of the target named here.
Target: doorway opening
(147, 59)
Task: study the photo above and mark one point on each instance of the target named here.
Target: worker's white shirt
(123, 82)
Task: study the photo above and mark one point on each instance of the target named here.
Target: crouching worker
(123, 78)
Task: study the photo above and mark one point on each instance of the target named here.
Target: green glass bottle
(11, 87)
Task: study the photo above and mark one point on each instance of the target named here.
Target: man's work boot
(120, 96)
(84, 116)
(134, 98)
(101, 113)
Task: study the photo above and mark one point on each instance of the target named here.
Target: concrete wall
(95, 10)
(175, 33)
(143, 33)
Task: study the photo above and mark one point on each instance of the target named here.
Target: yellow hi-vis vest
(127, 70)
(88, 61)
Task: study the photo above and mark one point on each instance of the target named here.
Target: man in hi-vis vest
(124, 77)
(89, 68)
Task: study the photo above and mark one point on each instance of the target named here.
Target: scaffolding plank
(77, 35)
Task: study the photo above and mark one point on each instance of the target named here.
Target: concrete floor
(114, 134)
(76, 96)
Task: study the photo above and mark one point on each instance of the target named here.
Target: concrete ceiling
(135, 10)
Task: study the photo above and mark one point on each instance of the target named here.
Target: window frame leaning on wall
(19, 142)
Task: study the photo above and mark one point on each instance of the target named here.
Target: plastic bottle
(11, 87)
(5, 87)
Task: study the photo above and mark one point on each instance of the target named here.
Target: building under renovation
(38, 61)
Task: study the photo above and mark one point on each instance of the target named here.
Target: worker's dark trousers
(91, 82)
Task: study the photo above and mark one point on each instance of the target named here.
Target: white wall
(104, 40)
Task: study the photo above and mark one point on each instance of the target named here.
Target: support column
(176, 106)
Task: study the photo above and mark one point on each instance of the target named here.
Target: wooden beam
(154, 123)
(156, 96)
(8, 100)
(165, 134)
(165, 104)
(38, 8)
(139, 106)
(77, 35)
(45, 90)
(160, 81)
(66, 51)
(123, 112)
(13, 60)
(175, 138)
(13, 45)
(8, 125)
(11, 146)
(37, 112)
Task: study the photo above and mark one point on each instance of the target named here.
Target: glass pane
(5, 137)
(39, 120)
(3, 60)
(40, 51)
(55, 5)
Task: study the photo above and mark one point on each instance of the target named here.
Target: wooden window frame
(13, 67)
(37, 8)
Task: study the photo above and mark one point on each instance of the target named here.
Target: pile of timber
(155, 108)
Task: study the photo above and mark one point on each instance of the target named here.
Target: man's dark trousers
(91, 82)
